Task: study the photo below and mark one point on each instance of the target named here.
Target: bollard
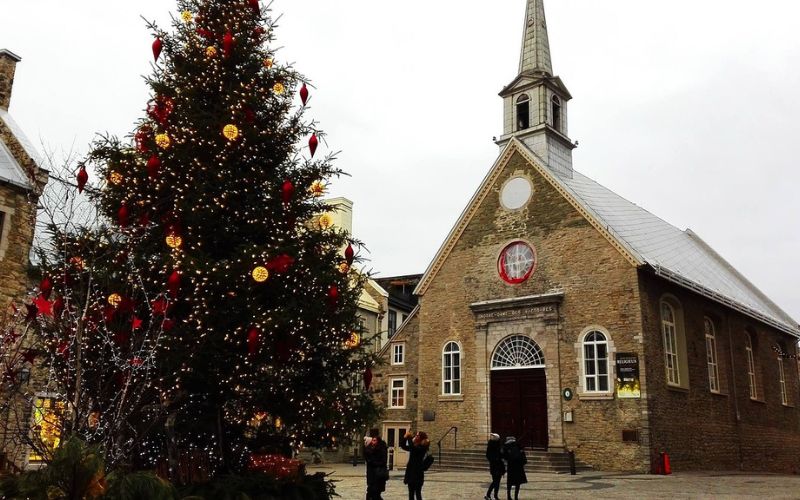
(666, 469)
(391, 458)
(355, 456)
(572, 470)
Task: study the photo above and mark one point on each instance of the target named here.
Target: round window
(517, 262)
(516, 193)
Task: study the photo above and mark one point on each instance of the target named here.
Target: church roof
(644, 239)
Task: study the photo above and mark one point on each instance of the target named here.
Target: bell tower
(535, 102)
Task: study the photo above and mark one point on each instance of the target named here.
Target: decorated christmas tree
(220, 286)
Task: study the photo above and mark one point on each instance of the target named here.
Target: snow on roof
(10, 170)
(27, 145)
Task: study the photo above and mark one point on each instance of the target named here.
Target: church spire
(535, 56)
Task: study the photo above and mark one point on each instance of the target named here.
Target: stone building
(558, 312)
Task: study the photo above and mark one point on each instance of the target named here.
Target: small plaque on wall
(428, 416)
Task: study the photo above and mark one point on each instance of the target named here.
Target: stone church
(561, 313)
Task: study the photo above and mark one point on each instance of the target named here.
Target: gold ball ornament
(211, 51)
(268, 62)
(174, 241)
(260, 274)
(325, 221)
(163, 141)
(344, 268)
(354, 341)
(278, 88)
(230, 131)
(317, 188)
(186, 16)
(115, 178)
(115, 299)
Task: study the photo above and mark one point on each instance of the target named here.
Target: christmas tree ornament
(46, 287)
(173, 238)
(211, 51)
(259, 31)
(58, 307)
(287, 191)
(186, 16)
(43, 305)
(333, 294)
(163, 141)
(76, 262)
(268, 62)
(260, 274)
(281, 263)
(253, 335)
(325, 221)
(353, 341)
(344, 267)
(114, 299)
(153, 165)
(312, 144)
(141, 137)
(278, 88)
(230, 131)
(122, 215)
(207, 34)
(136, 323)
(82, 177)
(349, 254)
(115, 178)
(317, 188)
(174, 284)
(227, 44)
(368, 378)
(159, 306)
(157, 46)
(304, 94)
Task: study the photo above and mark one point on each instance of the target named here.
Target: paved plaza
(449, 485)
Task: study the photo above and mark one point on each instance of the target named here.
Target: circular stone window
(516, 263)
(516, 193)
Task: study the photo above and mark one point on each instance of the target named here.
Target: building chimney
(8, 65)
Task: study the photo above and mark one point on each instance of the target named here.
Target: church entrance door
(519, 405)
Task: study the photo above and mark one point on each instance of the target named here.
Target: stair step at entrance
(475, 459)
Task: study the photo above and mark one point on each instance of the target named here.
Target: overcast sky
(688, 108)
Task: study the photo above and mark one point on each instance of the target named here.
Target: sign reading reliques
(628, 375)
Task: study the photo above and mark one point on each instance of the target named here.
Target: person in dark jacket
(417, 447)
(375, 456)
(496, 466)
(515, 459)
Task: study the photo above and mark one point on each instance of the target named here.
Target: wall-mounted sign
(628, 375)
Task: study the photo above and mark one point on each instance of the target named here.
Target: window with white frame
(595, 362)
(711, 355)
(451, 369)
(669, 329)
(398, 354)
(397, 393)
(751, 366)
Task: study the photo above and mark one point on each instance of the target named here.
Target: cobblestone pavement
(449, 485)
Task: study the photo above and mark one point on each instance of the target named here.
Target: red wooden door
(519, 405)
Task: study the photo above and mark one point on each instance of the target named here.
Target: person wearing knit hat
(496, 466)
(515, 459)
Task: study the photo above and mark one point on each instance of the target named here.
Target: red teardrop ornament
(157, 46)
(287, 191)
(349, 254)
(368, 377)
(46, 286)
(312, 144)
(174, 284)
(227, 44)
(153, 164)
(252, 340)
(304, 94)
(83, 177)
(123, 216)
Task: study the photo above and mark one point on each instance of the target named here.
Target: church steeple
(535, 102)
(535, 55)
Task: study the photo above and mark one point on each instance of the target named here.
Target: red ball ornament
(141, 137)
(304, 94)
(153, 165)
(253, 335)
(123, 215)
(46, 287)
(205, 33)
(227, 44)
(312, 144)
(333, 295)
(281, 263)
(83, 177)
(157, 46)
(287, 191)
(349, 254)
(174, 284)
(368, 377)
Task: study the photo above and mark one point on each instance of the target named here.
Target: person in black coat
(515, 458)
(417, 448)
(496, 466)
(375, 456)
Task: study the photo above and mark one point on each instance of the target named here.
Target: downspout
(560, 388)
(735, 397)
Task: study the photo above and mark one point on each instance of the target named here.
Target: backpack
(427, 462)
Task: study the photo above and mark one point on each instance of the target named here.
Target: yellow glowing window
(46, 424)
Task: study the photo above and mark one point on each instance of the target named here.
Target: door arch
(519, 391)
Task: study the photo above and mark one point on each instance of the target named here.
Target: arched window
(556, 107)
(595, 362)
(517, 351)
(711, 355)
(670, 331)
(751, 365)
(451, 369)
(523, 112)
